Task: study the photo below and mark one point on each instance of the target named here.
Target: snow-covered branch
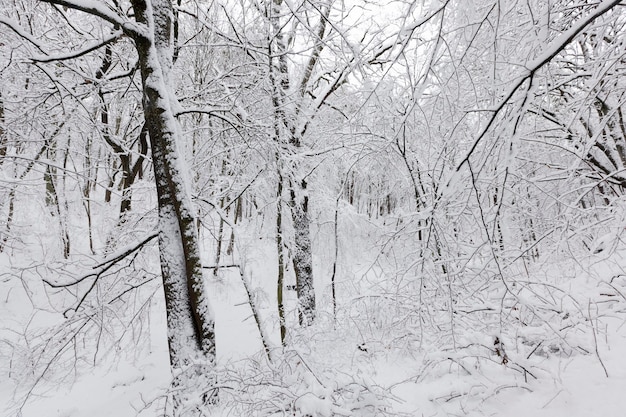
(401, 37)
(102, 267)
(553, 49)
(75, 54)
(99, 9)
(15, 27)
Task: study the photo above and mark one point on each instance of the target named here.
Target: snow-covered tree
(150, 25)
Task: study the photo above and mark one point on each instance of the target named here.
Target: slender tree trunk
(280, 284)
(220, 229)
(7, 232)
(302, 255)
(3, 138)
(220, 238)
(52, 198)
(111, 181)
(126, 182)
(286, 134)
(127, 170)
(3, 151)
(231, 241)
(87, 187)
(335, 258)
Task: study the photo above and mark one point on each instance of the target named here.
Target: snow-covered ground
(128, 385)
(369, 362)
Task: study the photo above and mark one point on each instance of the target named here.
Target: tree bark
(288, 137)
(190, 320)
(302, 256)
(280, 284)
(3, 139)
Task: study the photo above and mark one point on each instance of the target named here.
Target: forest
(312, 208)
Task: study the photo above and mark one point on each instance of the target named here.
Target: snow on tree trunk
(190, 319)
(285, 132)
(302, 257)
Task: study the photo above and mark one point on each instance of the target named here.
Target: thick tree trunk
(190, 319)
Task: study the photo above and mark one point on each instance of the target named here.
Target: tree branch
(132, 29)
(105, 265)
(15, 27)
(49, 58)
(552, 50)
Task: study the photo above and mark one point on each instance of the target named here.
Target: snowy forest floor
(356, 366)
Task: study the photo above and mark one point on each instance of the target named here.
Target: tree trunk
(286, 134)
(220, 238)
(190, 319)
(3, 139)
(302, 256)
(280, 284)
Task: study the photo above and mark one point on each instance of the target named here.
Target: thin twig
(595, 339)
